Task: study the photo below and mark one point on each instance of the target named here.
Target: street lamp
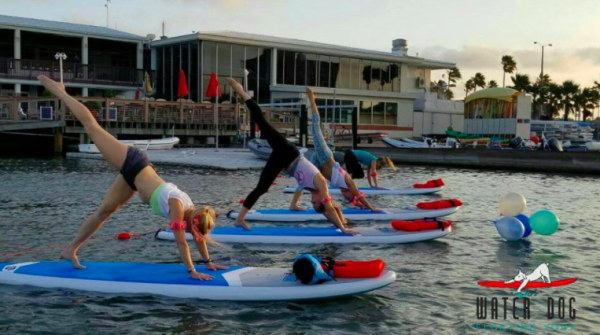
(542, 72)
(60, 56)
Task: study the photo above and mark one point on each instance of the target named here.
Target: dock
(206, 158)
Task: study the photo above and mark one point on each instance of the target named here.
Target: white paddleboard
(235, 284)
(387, 214)
(379, 191)
(312, 235)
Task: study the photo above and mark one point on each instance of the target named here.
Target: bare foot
(71, 256)
(242, 224)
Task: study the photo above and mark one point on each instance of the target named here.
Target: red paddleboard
(535, 284)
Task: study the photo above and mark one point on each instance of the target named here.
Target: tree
(521, 83)
(453, 76)
(586, 101)
(479, 80)
(508, 66)
(492, 83)
(449, 94)
(553, 100)
(570, 90)
(469, 86)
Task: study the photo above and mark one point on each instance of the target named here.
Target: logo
(299, 177)
(515, 311)
(10, 268)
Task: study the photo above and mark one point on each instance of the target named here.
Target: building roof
(499, 93)
(302, 45)
(64, 27)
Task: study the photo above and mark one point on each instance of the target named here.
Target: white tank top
(165, 192)
(338, 176)
(304, 172)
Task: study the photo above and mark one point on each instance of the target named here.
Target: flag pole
(217, 119)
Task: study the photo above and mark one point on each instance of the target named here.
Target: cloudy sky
(473, 33)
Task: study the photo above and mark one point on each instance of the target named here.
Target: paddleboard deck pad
(354, 214)
(312, 235)
(530, 285)
(380, 191)
(234, 284)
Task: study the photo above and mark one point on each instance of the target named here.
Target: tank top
(304, 172)
(159, 202)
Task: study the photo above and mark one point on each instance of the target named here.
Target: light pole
(60, 56)
(542, 73)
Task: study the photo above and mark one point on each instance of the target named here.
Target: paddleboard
(354, 214)
(237, 283)
(312, 235)
(379, 191)
(534, 284)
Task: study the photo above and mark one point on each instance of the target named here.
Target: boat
(261, 148)
(427, 143)
(155, 144)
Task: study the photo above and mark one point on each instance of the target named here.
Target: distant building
(498, 112)
(390, 89)
(99, 58)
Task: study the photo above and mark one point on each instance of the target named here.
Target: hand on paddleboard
(350, 231)
(297, 208)
(201, 276)
(213, 266)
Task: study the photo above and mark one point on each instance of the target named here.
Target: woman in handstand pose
(137, 174)
(285, 156)
(324, 160)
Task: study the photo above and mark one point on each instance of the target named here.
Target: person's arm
(297, 196)
(330, 213)
(203, 249)
(373, 173)
(176, 209)
(238, 88)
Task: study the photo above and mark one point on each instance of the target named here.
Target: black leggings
(284, 153)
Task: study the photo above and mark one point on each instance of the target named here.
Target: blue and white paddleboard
(380, 191)
(312, 235)
(235, 284)
(387, 214)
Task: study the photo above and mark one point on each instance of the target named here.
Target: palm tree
(553, 99)
(454, 75)
(469, 86)
(508, 66)
(449, 94)
(479, 80)
(570, 90)
(492, 83)
(521, 83)
(586, 101)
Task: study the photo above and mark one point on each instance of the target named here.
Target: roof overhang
(70, 33)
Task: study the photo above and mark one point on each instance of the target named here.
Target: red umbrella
(183, 88)
(213, 89)
(137, 94)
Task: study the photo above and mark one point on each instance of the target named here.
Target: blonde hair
(201, 222)
(381, 161)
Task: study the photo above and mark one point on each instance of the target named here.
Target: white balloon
(512, 204)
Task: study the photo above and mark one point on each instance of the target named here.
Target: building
(498, 112)
(391, 90)
(98, 58)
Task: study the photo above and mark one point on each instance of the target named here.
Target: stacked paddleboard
(234, 284)
(381, 191)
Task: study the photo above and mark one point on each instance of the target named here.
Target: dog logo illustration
(299, 177)
(539, 278)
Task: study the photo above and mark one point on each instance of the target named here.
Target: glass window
(346, 111)
(385, 74)
(237, 61)
(355, 74)
(311, 70)
(252, 67)
(289, 67)
(194, 85)
(280, 66)
(365, 112)
(264, 80)
(378, 112)
(300, 69)
(395, 77)
(365, 75)
(160, 68)
(209, 64)
(323, 71)
(344, 77)
(335, 71)
(168, 72)
(375, 77)
(224, 60)
(322, 105)
(391, 113)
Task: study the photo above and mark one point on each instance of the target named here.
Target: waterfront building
(390, 89)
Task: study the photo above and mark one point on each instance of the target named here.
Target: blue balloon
(509, 228)
(525, 221)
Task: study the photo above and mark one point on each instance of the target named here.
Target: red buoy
(242, 201)
(274, 183)
(124, 236)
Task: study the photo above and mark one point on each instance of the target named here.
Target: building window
(395, 77)
(280, 66)
(289, 70)
(300, 69)
(334, 70)
(195, 89)
(355, 74)
(365, 74)
(344, 77)
(365, 112)
(311, 70)
(264, 69)
(378, 112)
(391, 113)
(252, 67)
(209, 63)
(323, 71)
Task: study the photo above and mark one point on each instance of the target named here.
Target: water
(44, 201)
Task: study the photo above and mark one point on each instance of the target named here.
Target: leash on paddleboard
(119, 236)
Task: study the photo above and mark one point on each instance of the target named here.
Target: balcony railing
(29, 69)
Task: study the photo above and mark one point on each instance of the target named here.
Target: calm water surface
(44, 201)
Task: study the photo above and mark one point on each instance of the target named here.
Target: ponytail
(385, 161)
(201, 222)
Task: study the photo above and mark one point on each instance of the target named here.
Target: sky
(473, 33)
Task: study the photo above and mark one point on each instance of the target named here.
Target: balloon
(525, 221)
(512, 204)
(510, 228)
(544, 222)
